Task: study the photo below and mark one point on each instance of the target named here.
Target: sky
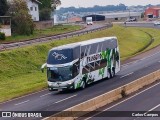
(90, 3)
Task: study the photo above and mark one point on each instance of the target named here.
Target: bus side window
(83, 55)
(76, 68)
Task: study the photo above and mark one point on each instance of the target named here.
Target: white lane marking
(22, 102)
(23, 96)
(65, 99)
(150, 56)
(130, 63)
(153, 108)
(125, 65)
(127, 75)
(46, 118)
(124, 100)
(45, 94)
(62, 101)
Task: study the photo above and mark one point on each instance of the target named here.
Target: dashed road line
(125, 65)
(146, 66)
(22, 102)
(127, 75)
(45, 94)
(65, 99)
(61, 101)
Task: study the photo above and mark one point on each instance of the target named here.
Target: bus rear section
(76, 65)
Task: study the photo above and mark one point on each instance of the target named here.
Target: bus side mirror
(42, 67)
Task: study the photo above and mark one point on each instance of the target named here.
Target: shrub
(2, 36)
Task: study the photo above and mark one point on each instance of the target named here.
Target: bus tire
(113, 72)
(109, 73)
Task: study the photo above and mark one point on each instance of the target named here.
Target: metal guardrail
(8, 46)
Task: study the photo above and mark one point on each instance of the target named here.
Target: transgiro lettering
(94, 58)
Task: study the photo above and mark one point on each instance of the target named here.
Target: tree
(55, 4)
(3, 7)
(22, 22)
(45, 14)
(45, 10)
(47, 7)
(45, 4)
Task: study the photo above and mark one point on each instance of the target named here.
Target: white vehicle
(156, 23)
(76, 65)
(131, 20)
(89, 21)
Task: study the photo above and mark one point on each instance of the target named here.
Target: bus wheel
(113, 72)
(109, 73)
(83, 85)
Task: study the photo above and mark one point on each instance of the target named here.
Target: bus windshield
(60, 74)
(60, 56)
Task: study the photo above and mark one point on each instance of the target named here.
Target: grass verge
(20, 68)
(58, 29)
(155, 34)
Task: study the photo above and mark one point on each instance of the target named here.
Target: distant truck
(89, 21)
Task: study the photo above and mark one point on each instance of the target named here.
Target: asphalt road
(54, 101)
(131, 108)
(142, 24)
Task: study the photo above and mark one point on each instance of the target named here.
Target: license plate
(60, 90)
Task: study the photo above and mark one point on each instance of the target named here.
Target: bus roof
(83, 43)
(96, 40)
(67, 46)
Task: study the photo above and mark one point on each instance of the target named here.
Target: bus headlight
(70, 82)
(49, 84)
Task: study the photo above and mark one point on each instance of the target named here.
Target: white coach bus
(76, 65)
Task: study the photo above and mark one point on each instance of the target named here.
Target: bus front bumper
(61, 88)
